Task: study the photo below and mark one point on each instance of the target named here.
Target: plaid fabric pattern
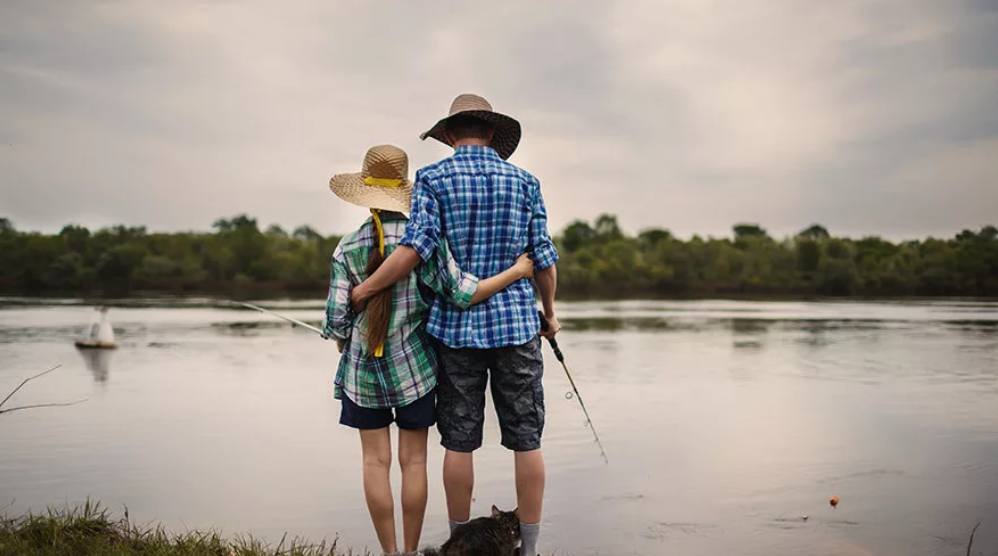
(407, 371)
(489, 212)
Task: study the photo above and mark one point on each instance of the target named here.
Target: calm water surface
(725, 422)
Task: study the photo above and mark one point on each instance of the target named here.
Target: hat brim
(352, 189)
(504, 141)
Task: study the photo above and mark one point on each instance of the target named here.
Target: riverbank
(275, 289)
(317, 298)
(92, 530)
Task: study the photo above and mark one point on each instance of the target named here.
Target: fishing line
(294, 322)
(561, 359)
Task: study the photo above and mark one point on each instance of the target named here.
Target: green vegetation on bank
(90, 530)
(597, 259)
(601, 259)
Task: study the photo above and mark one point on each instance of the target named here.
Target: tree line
(123, 259)
(597, 258)
(601, 259)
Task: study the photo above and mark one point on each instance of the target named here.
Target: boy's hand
(524, 266)
(552, 328)
(339, 345)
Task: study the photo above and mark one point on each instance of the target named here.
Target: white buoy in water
(99, 335)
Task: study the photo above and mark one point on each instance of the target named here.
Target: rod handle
(552, 341)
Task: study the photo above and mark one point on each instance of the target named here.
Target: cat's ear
(516, 512)
(496, 512)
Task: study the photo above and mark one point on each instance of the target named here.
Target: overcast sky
(870, 117)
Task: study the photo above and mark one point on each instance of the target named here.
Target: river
(725, 423)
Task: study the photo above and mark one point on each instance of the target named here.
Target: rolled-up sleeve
(339, 318)
(541, 248)
(423, 231)
(442, 275)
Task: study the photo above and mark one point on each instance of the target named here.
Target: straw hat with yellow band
(381, 185)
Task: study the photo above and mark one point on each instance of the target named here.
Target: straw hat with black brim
(507, 130)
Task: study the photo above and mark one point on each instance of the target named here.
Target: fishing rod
(561, 359)
(544, 326)
(294, 322)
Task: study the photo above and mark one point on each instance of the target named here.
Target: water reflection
(617, 324)
(816, 334)
(748, 333)
(607, 324)
(98, 362)
(983, 327)
(751, 326)
(243, 329)
(746, 344)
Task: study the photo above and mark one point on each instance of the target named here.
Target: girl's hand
(524, 266)
(339, 345)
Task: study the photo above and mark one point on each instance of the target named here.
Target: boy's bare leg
(459, 484)
(530, 479)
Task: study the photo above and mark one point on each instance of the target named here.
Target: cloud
(679, 114)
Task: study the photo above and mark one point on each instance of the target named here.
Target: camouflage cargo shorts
(515, 373)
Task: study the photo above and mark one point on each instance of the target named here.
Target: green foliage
(576, 235)
(748, 230)
(305, 233)
(236, 223)
(275, 230)
(90, 530)
(816, 232)
(75, 237)
(600, 259)
(122, 259)
(596, 258)
(607, 228)
(808, 256)
(653, 236)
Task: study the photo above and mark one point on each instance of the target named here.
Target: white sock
(529, 533)
(455, 525)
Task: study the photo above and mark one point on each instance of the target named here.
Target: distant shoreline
(597, 261)
(318, 296)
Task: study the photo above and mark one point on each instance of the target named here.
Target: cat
(498, 535)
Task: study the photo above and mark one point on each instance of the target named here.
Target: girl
(387, 372)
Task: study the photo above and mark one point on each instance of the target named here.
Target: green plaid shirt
(408, 369)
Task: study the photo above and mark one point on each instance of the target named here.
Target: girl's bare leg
(377, 448)
(412, 458)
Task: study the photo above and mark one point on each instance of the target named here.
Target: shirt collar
(388, 216)
(476, 150)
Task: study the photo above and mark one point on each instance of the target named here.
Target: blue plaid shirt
(490, 212)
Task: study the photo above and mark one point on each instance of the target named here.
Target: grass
(91, 530)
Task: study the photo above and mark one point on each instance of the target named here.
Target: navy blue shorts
(420, 414)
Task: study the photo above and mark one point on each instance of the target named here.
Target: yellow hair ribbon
(376, 216)
(383, 182)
